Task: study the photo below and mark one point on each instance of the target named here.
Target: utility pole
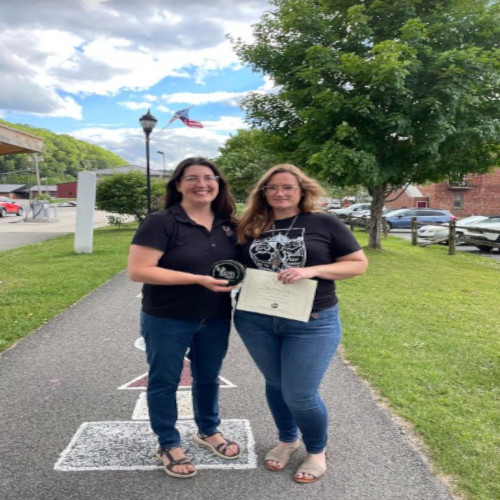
(37, 172)
(164, 173)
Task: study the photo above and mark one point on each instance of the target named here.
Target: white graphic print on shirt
(275, 251)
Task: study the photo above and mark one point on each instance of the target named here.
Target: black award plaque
(230, 270)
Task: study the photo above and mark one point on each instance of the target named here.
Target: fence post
(452, 238)
(414, 231)
(385, 229)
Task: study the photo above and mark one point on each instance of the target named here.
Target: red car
(8, 206)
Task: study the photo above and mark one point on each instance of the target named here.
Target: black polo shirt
(191, 248)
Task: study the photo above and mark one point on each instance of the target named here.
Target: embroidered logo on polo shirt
(229, 232)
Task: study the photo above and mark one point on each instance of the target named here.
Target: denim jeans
(293, 356)
(167, 340)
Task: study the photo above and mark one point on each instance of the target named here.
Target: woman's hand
(294, 274)
(215, 285)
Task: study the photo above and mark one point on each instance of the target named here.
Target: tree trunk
(375, 227)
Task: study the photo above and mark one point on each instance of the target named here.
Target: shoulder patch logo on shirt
(229, 232)
(275, 251)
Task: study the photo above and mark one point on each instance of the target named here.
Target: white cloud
(134, 105)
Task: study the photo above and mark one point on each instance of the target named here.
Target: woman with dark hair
(281, 231)
(183, 307)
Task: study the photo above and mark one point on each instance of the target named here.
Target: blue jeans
(167, 340)
(293, 356)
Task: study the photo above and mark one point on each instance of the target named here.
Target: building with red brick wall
(475, 195)
(67, 190)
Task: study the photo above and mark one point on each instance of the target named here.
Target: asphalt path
(69, 432)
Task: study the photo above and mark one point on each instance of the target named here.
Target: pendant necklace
(276, 261)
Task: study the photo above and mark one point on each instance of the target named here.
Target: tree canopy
(380, 93)
(63, 157)
(245, 157)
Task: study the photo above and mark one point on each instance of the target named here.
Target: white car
(344, 213)
(435, 233)
(492, 222)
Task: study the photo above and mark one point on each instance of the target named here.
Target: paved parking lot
(18, 231)
(406, 234)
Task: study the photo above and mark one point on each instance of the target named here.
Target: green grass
(39, 281)
(421, 327)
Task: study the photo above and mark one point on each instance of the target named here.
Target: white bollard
(85, 202)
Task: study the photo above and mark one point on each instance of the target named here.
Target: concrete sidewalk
(74, 426)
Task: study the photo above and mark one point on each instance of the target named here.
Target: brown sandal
(173, 463)
(281, 454)
(219, 450)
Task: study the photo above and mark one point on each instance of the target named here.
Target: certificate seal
(230, 270)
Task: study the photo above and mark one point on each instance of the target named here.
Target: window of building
(458, 200)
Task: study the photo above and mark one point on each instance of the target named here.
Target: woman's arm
(343, 268)
(143, 267)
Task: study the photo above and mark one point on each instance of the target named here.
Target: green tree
(380, 93)
(125, 194)
(245, 157)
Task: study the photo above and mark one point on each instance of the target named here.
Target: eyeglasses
(194, 179)
(271, 189)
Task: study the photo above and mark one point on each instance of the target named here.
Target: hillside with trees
(63, 157)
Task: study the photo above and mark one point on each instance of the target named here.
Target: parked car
(402, 217)
(343, 213)
(435, 233)
(8, 206)
(492, 222)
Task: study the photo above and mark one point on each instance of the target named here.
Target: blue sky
(92, 68)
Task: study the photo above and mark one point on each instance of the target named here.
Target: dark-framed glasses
(194, 179)
(272, 189)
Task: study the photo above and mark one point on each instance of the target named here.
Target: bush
(125, 194)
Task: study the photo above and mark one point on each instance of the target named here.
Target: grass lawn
(41, 280)
(421, 327)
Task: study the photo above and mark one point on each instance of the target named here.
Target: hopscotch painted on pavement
(131, 445)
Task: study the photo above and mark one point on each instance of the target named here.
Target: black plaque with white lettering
(230, 270)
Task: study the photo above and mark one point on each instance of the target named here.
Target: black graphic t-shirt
(314, 239)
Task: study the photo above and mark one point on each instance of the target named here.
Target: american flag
(183, 116)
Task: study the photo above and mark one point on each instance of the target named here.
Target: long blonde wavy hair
(258, 214)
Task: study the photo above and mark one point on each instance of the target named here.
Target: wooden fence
(452, 237)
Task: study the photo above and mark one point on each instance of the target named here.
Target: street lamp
(162, 153)
(148, 122)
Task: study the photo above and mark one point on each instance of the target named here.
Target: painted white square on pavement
(184, 406)
(132, 445)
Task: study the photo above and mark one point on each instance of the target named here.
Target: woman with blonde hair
(282, 231)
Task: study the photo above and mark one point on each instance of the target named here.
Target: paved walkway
(74, 419)
(72, 430)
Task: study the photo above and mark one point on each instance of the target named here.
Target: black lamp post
(148, 122)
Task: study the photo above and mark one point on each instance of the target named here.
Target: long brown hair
(224, 204)
(258, 214)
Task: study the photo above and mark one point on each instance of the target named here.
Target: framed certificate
(262, 292)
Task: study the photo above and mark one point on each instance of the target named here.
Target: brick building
(476, 195)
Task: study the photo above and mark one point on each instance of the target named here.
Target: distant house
(477, 194)
(70, 189)
(24, 192)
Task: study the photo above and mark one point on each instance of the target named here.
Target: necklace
(289, 227)
(276, 260)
